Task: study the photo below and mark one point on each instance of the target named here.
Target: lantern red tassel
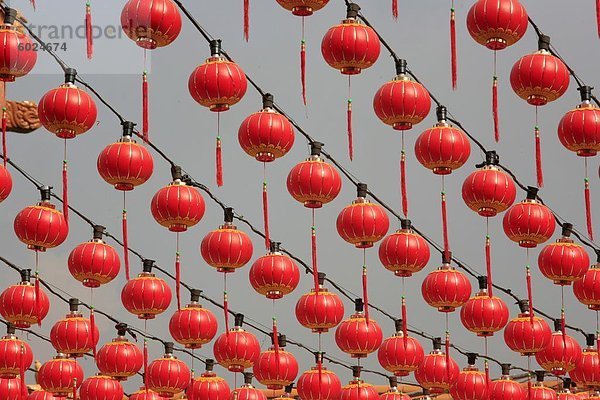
(146, 364)
(447, 346)
(276, 343)
(33, 4)
(349, 123)
(303, 69)
(538, 158)
(37, 299)
(65, 191)
(453, 47)
(93, 329)
(22, 370)
(219, 161)
(226, 312)
(265, 199)
(598, 16)
(314, 259)
(125, 244)
(178, 280)
(246, 19)
(88, 31)
(404, 322)
(145, 107)
(395, 9)
(4, 121)
(488, 264)
(74, 388)
(588, 209)
(530, 296)
(495, 109)
(365, 293)
(445, 223)
(403, 183)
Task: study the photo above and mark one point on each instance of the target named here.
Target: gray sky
(186, 132)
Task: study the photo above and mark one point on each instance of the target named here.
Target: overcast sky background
(186, 132)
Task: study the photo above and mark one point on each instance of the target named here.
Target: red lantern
(471, 383)
(41, 226)
(41, 395)
(60, 376)
(208, 386)
(400, 354)
(505, 388)
(587, 370)
(167, 375)
(565, 393)
(497, 25)
(539, 391)
(303, 8)
(247, 391)
(193, 325)
(404, 252)
(561, 354)
(529, 222)
(237, 349)
(489, 191)
(401, 102)
(564, 261)
(100, 387)
(177, 206)
(151, 24)
(527, 335)
(587, 289)
(226, 248)
(362, 223)
(442, 148)
(146, 296)
(446, 288)
(484, 314)
(319, 310)
(22, 304)
(94, 263)
(319, 383)
(357, 389)
(266, 135)
(17, 53)
(276, 368)
(125, 164)
(67, 111)
(74, 335)
(393, 393)
(275, 274)
(145, 394)
(434, 374)
(10, 389)
(358, 336)
(5, 183)
(314, 182)
(15, 355)
(119, 359)
(578, 129)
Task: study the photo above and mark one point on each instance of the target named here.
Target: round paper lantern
(565, 393)
(193, 325)
(100, 387)
(15, 354)
(167, 375)
(314, 182)
(5, 183)
(41, 395)
(393, 393)
(358, 336)
(404, 252)
(218, 83)
(497, 25)
(22, 305)
(471, 383)
(434, 374)
(319, 383)
(402, 102)
(120, 359)
(319, 310)
(527, 335)
(144, 394)
(561, 354)
(10, 389)
(125, 164)
(484, 314)
(587, 289)
(226, 248)
(362, 223)
(564, 261)
(489, 191)
(529, 222)
(275, 274)
(357, 389)
(400, 354)
(237, 349)
(177, 206)
(94, 263)
(17, 53)
(540, 77)
(67, 111)
(74, 335)
(579, 129)
(303, 8)
(247, 391)
(350, 46)
(146, 295)
(539, 391)
(41, 226)
(446, 288)
(151, 23)
(587, 370)
(208, 386)
(505, 388)
(60, 375)
(266, 135)
(276, 368)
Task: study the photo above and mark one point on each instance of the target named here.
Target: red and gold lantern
(276, 367)
(400, 354)
(167, 375)
(438, 372)
(358, 336)
(587, 289)
(319, 383)
(529, 222)
(404, 252)
(236, 349)
(497, 25)
(319, 310)
(100, 387)
(393, 393)
(60, 376)
(151, 24)
(120, 359)
(587, 369)
(540, 392)
(484, 314)
(15, 355)
(41, 395)
(24, 304)
(208, 386)
(247, 391)
(18, 55)
(275, 274)
(357, 389)
(145, 394)
(94, 263)
(561, 354)
(564, 261)
(505, 388)
(74, 335)
(146, 295)
(565, 393)
(446, 288)
(11, 389)
(5, 183)
(527, 334)
(193, 325)
(471, 384)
